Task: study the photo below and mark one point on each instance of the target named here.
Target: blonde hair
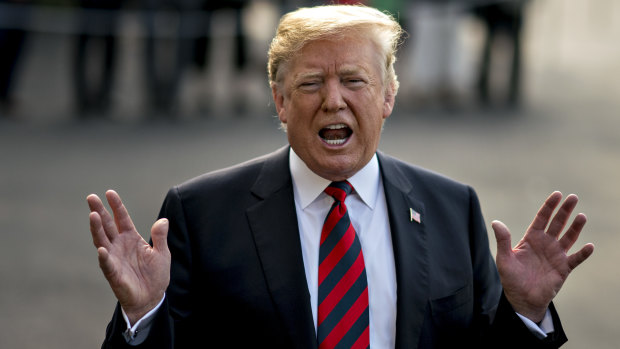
(298, 28)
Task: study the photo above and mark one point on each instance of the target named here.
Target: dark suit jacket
(238, 281)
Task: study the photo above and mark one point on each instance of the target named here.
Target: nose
(333, 100)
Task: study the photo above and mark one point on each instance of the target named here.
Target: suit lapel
(274, 225)
(410, 253)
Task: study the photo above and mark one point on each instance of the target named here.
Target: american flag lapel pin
(414, 216)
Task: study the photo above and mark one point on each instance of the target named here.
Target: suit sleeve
(501, 327)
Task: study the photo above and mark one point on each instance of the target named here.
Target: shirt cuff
(542, 329)
(136, 334)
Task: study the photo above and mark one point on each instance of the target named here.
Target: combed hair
(298, 28)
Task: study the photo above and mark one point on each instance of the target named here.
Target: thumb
(159, 235)
(502, 236)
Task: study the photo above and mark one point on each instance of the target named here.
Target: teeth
(335, 141)
(332, 139)
(336, 127)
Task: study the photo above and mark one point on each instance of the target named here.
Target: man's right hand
(138, 273)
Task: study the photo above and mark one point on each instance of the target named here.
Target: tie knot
(339, 190)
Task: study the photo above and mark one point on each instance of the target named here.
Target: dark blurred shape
(202, 44)
(396, 8)
(501, 20)
(291, 5)
(12, 41)
(170, 29)
(95, 55)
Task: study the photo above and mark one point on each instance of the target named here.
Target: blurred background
(516, 98)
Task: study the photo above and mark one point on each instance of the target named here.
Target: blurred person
(95, 55)
(327, 241)
(12, 40)
(171, 26)
(202, 44)
(502, 20)
(436, 53)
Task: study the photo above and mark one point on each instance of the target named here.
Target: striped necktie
(343, 288)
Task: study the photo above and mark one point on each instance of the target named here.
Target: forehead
(342, 56)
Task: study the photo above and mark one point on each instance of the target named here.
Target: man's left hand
(533, 272)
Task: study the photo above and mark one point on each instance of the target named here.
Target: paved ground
(53, 295)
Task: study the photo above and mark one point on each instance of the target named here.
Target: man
(250, 265)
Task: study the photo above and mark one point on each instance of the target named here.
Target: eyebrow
(345, 71)
(305, 76)
(352, 71)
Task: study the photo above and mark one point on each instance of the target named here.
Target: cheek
(371, 115)
(370, 128)
(303, 109)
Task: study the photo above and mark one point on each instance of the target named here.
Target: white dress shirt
(368, 213)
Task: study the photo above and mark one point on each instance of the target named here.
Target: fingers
(159, 235)
(572, 234)
(502, 235)
(578, 257)
(105, 221)
(561, 217)
(121, 216)
(105, 262)
(546, 210)
(97, 232)
(105, 227)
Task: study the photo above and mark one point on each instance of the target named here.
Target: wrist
(135, 313)
(534, 314)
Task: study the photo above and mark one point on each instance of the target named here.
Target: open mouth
(335, 134)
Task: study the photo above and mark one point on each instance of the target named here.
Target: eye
(354, 82)
(309, 86)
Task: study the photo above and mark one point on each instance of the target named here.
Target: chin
(337, 170)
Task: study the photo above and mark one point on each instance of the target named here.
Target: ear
(388, 101)
(278, 98)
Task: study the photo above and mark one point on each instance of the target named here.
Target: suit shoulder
(239, 177)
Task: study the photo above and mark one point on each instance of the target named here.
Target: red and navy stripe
(343, 286)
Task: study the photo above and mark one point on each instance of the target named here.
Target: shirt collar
(308, 185)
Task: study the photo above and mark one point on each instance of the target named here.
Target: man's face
(333, 102)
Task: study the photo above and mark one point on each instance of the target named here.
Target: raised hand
(137, 273)
(533, 272)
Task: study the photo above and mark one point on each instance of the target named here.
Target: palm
(534, 271)
(137, 273)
